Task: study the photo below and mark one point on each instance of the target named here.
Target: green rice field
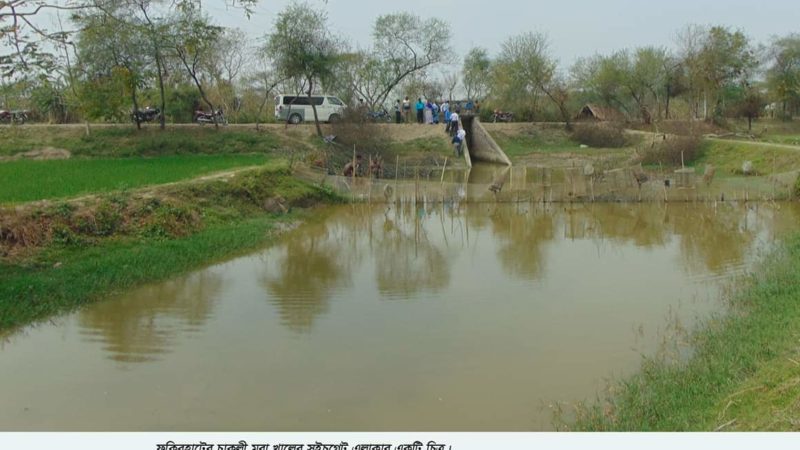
(25, 180)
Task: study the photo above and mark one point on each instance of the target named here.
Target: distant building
(600, 114)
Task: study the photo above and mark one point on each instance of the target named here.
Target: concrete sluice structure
(495, 183)
(480, 146)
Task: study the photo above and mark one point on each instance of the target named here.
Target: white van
(296, 108)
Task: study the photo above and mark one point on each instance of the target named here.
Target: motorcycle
(17, 116)
(500, 116)
(146, 115)
(379, 116)
(203, 117)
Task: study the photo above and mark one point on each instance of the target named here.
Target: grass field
(532, 139)
(127, 141)
(785, 139)
(743, 374)
(23, 180)
(728, 157)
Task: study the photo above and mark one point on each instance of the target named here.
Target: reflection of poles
(444, 233)
(416, 186)
(396, 175)
(773, 175)
(353, 174)
(416, 232)
(369, 183)
(441, 181)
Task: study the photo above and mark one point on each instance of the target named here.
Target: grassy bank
(127, 141)
(742, 376)
(522, 140)
(59, 256)
(728, 157)
(24, 180)
(67, 277)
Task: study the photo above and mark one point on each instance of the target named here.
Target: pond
(383, 317)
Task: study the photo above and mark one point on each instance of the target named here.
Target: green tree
(475, 72)
(749, 103)
(525, 70)
(783, 73)
(193, 42)
(715, 58)
(520, 70)
(303, 47)
(113, 65)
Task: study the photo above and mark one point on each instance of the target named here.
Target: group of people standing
(427, 112)
(431, 112)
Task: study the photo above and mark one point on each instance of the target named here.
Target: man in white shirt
(458, 141)
(453, 124)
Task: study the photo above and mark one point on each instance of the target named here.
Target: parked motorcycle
(146, 115)
(500, 116)
(16, 116)
(379, 116)
(203, 117)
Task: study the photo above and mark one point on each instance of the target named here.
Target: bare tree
(450, 82)
(403, 45)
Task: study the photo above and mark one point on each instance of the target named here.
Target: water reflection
(522, 239)
(407, 259)
(312, 265)
(410, 250)
(143, 325)
(408, 310)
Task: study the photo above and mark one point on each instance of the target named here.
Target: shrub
(352, 131)
(604, 135)
(797, 186)
(673, 150)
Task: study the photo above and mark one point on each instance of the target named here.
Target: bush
(797, 186)
(601, 135)
(673, 151)
(352, 130)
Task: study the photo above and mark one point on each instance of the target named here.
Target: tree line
(111, 57)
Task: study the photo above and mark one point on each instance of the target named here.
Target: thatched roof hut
(600, 113)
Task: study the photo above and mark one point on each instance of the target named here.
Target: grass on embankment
(39, 290)
(743, 375)
(520, 141)
(25, 180)
(728, 157)
(60, 256)
(128, 141)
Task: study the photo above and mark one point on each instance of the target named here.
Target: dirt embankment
(42, 154)
(161, 212)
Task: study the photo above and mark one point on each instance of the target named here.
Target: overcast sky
(575, 27)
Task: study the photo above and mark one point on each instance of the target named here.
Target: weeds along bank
(742, 374)
(57, 255)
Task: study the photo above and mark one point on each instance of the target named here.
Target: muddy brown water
(446, 317)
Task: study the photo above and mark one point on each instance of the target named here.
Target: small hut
(599, 114)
